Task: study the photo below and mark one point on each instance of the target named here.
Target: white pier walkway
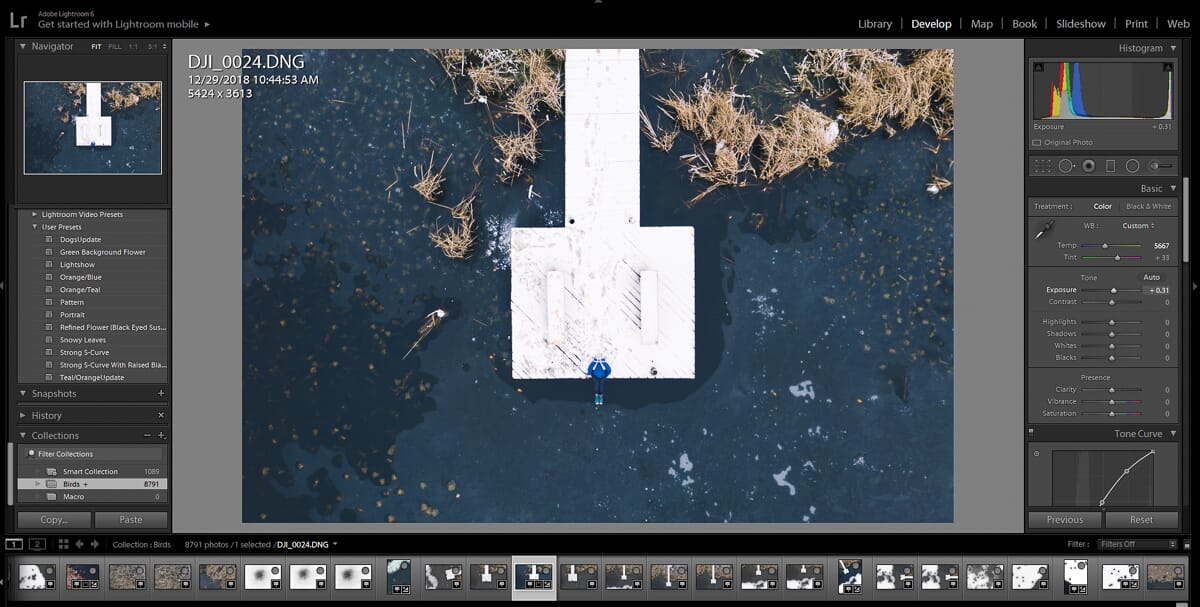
(92, 129)
(603, 285)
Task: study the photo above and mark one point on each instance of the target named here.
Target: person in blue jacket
(599, 369)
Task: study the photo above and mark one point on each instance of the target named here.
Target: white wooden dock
(603, 285)
(92, 129)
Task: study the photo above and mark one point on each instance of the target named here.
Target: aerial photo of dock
(600, 285)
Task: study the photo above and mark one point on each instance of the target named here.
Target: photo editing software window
(620, 304)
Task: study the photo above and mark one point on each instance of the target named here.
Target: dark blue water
(824, 319)
(50, 134)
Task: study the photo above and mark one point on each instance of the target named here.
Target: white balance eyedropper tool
(487, 574)
(572, 576)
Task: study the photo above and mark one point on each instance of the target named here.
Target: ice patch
(763, 308)
(804, 388)
(499, 240)
(781, 480)
(685, 464)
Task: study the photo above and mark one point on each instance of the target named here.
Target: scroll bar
(9, 477)
(1187, 226)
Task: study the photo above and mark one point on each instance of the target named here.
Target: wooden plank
(556, 293)
(649, 307)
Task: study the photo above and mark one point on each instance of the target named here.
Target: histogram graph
(1073, 90)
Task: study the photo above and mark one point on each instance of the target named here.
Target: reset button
(1141, 520)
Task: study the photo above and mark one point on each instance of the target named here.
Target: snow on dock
(602, 284)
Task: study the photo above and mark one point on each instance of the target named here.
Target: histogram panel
(1070, 90)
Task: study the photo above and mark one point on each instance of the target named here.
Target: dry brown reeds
(429, 180)
(76, 90)
(803, 137)
(938, 66)
(877, 92)
(813, 71)
(123, 97)
(432, 321)
(146, 90)
(877, 88)
(515, 150)
(939, 182)
(725, 132)
(456, 240)
(657, 136)
(527, 83)
(540, 85)
(714, 116)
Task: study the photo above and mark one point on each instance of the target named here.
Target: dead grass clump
(938, 181)
(490, 71)
(456, 240)
(526, 83)
(877, 91)
(877, 88)
(76, 90)
(941, 125)
(657, 136)
(432, 321)
(803, 137)
(937, 66)
(453, 60)
(540, 83)
(516, 150)
(724, 130)
(714, 116)
(813, 72)
(429, 180)
(147, 90)
(123, 96)
(119, 101)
